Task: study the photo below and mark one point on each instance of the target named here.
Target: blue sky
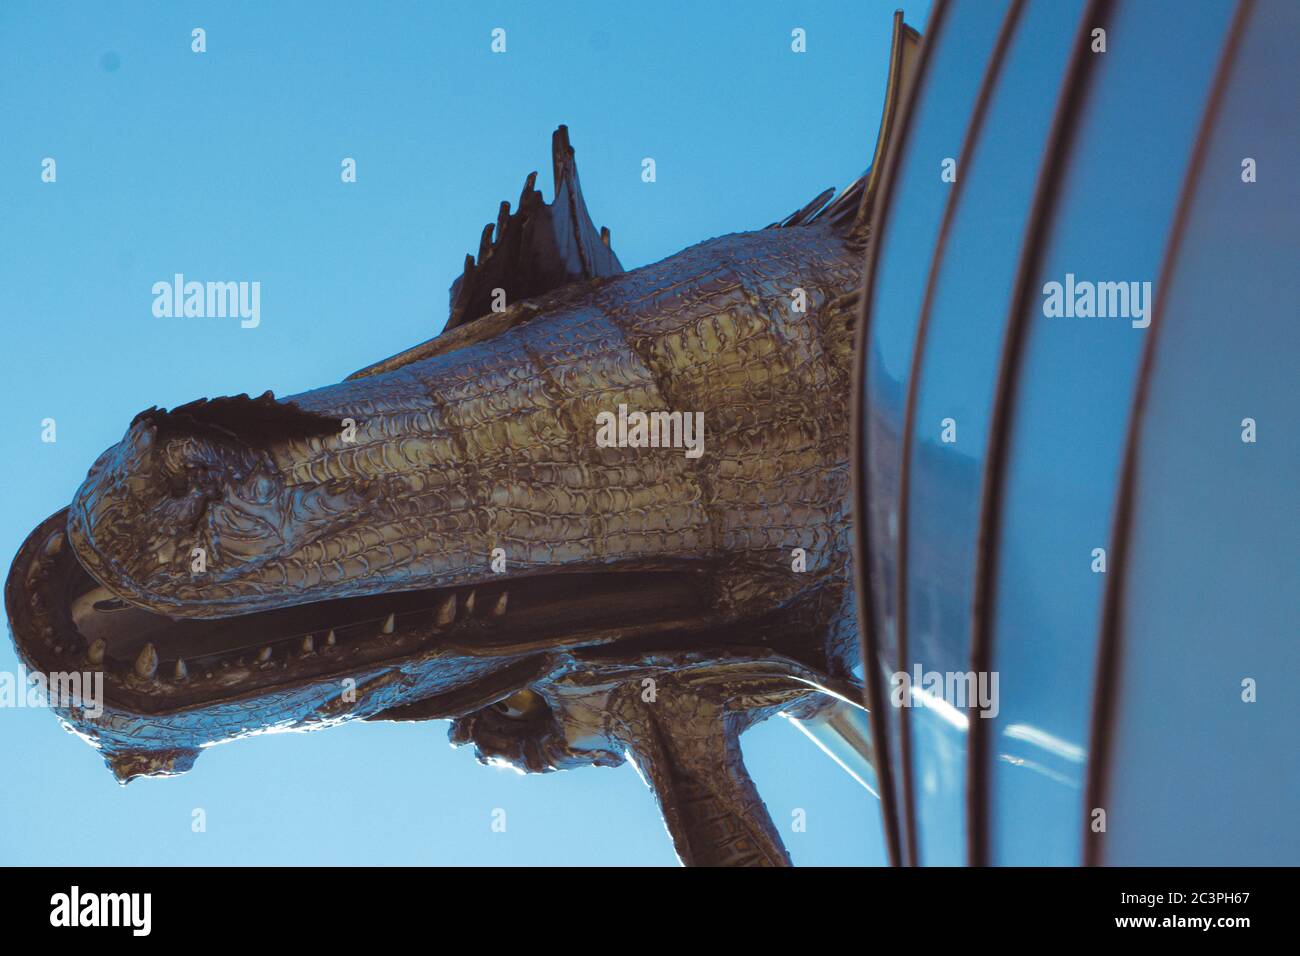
(225, 166)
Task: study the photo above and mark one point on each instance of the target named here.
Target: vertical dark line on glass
(858, 448)
(971, 137)
(1068, 103)
(1097, 774)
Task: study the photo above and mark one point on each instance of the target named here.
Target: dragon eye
(521, 704)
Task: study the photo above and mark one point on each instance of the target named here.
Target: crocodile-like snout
(500, 526)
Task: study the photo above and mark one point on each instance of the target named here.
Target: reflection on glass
(942, 108)
(1074, 391)
(1199, 772)
(843, 734)
(955, 384)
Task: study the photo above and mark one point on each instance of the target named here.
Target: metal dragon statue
(440, 535)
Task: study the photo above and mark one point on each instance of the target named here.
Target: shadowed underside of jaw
(472, 651)
(64, 619)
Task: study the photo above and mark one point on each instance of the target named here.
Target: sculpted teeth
(95, 653)
(447, 611)
(146, 662)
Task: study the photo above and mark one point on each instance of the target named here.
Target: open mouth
(63, 619)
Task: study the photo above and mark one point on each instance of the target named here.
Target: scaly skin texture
(441, 537)
(493, 446)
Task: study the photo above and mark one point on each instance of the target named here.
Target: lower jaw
(64, 620)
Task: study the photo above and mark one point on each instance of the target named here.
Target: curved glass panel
(1198, 774)
(942, 108)
(1070, 410)
(955, 384)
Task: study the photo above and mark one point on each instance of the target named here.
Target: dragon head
(440, 536)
